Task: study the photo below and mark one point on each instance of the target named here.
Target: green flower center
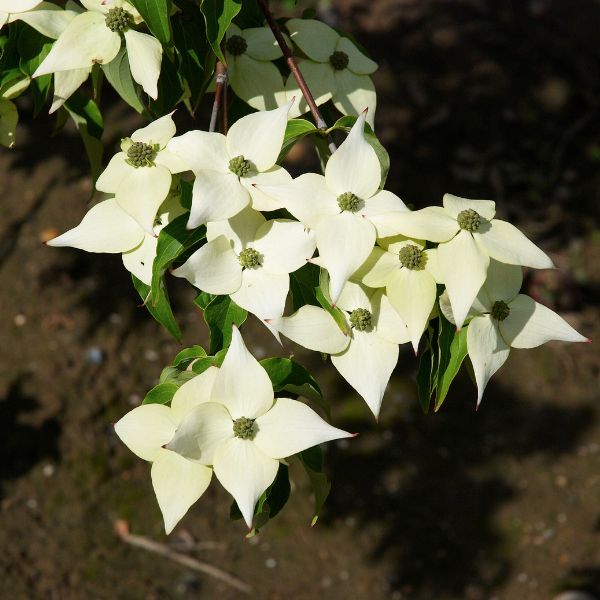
(348, 201)
(412, 257)
(240, 166)
(469, 220)
(244, 428)
(118, 19)
(250, 258)
(236, 45)
(361, 319)
(141, 154)
(339, 60)
(500, 310)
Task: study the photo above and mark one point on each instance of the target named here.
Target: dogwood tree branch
(220, 101)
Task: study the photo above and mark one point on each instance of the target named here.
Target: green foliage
(118, 74)
(159, 307)
(156, 15)
(295, 131)
(218, 15)
(161, 394)
(312, 461)
(220, 314)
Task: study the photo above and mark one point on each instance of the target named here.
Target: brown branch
(224, 107)
(291, 61)
(221, 84)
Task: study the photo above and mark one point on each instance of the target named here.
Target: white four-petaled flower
(345, 207)
(468, 236)
(250, 259)
(503, 319)
(226, 167)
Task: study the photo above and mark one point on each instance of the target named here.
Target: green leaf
(296, 129)
(312, 461)
(170, 88)
(346, 123)
(33, 48)
(161, 394)
(203, 299)
(176, 376)
(303, 284)
(425, 373)
(249, 16)
(88, 119)
(156, 15)
(290, 376)
(173, 240)
(118, 74)
(188, 356)
(218, 15)
(221, 313)
(322, 294)
(202, 364)
(457, 351)
(160, 307)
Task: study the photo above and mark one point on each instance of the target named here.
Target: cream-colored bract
(350, 87)
(141, 190)
(87, 40)
(228, 168)
(526, 323)
(106, 227)
(345, 238)
(146, 430)
(464, 256)
(246, 465)
(282, 246)
(365, 359)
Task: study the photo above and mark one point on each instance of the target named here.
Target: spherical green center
(118, 19)
(469, 220)
(348, 201)
(339, 60)
(236, 45)
(250, 258)
(240, 166)
(244, 428)
(500, 310)
(140, 154)
(361, 319)
(412, 257)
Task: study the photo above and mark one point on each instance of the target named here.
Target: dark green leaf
(173, 240)
(156, 15)
(176, 376)
(218, 15)
(303, 284)
(345, 124)
(202, 364)
(160, 307)
(161, 394)
(220, 315)
(188, 355)
(290, 376)
(170, 88)
(312, 461)
(249, 16)
(296, 129)
(425, 374)
(457, 354)
(322, 294)
(118, 74)
(33, 48)
(88, 119)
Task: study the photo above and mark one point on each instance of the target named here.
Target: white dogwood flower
(243, 431)
(47, 18)
(226, 167)
(252, 75)
(365, 357)
(337, 69)
(409, 272)
(106, 227)
(345, 207)
(503, 319)
(178, 482)
(95, 36)
(250, 259)
(468, 236)
(140, 175)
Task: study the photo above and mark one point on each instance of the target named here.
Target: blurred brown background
(484, 99)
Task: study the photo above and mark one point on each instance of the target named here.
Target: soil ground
(481, 99)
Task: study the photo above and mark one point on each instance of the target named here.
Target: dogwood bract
(95, 36)
(226, 167)
(140, 175)
(345, 207)
(243, 431)
(365, 357)
(409, 272)
(250, 259)
(106, 227)
(47, 18)
(503, 319)
(468, 237)
(337, 69)
(178, 482)
(250, 72)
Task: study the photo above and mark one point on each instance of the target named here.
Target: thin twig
(291, 61)
(224, 107)
(187, 561)
(221, 83)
